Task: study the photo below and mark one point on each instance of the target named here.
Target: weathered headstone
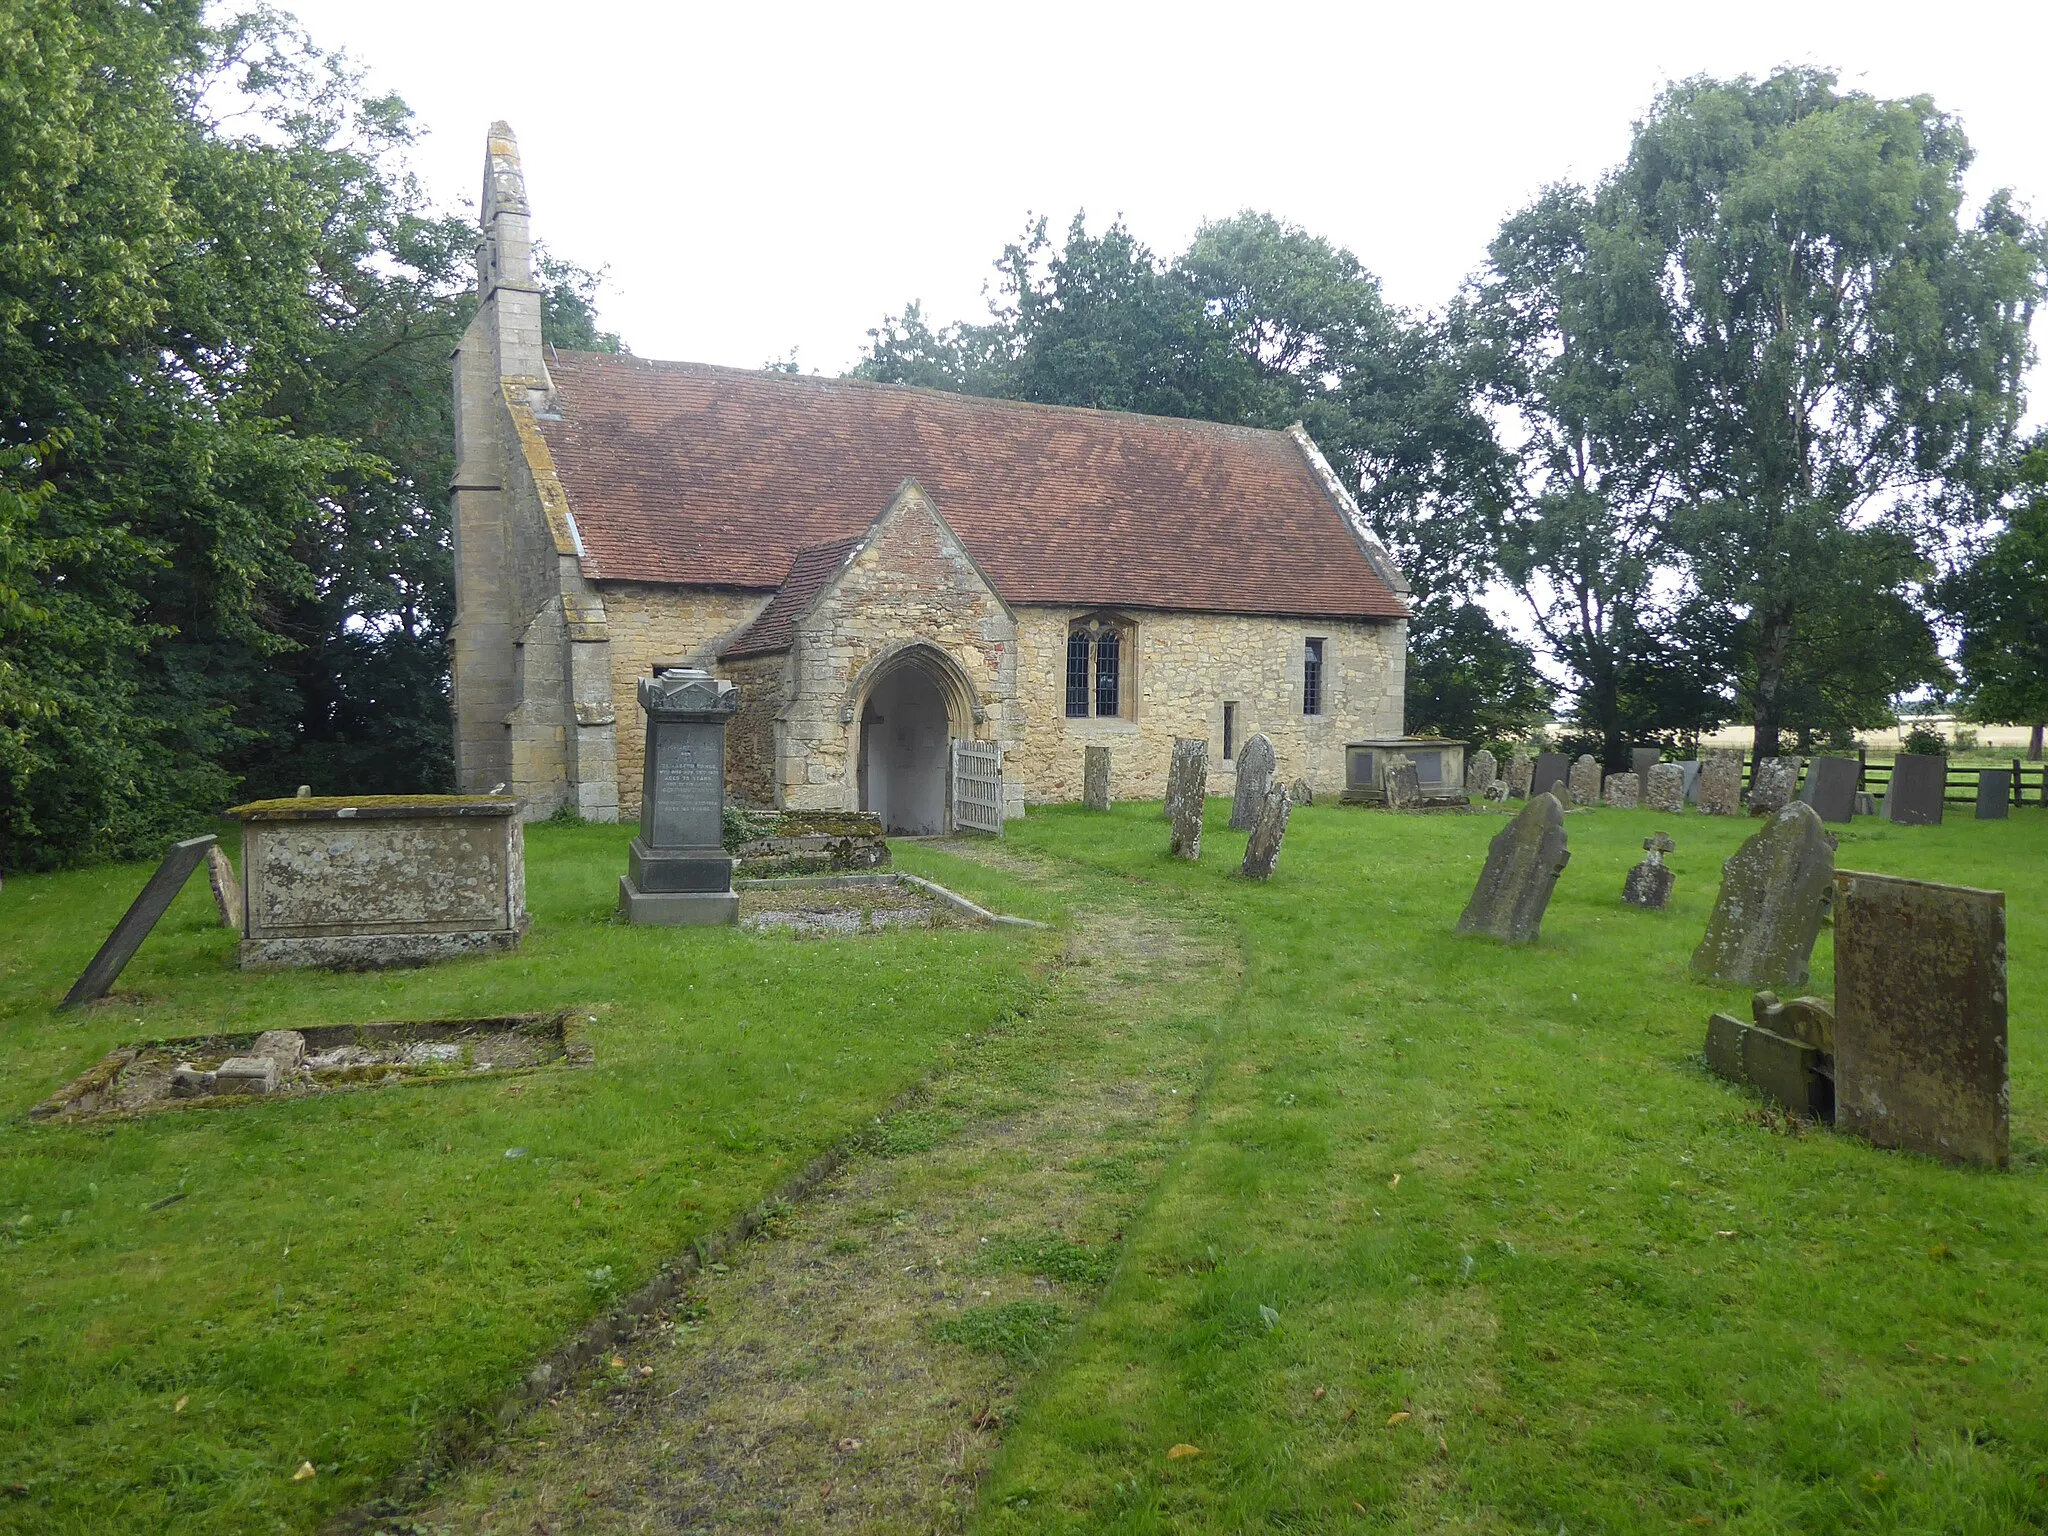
(1585, 780)
(1522, 866)
(1550, 775)
(1404, 783)
(1720, 792)
(1919, 784)
(1269, 830)
(142, 915)
(1831, 788)
(679, 874)
(1776, 783)
(1521, 775)
(1255, 765)
(1480, 772)
(227, 890)
(1920, 1017)
(1187, 784)
(1994, 793)
(1095, 778)
(1301, 792)
(1774, 892)
(1784, 1053)
(1642, 760)
(1622, 791)
(1649, 883)
(1664, 789)
(1866, 803)
(1691, 769)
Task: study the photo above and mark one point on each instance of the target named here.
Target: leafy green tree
(1999, 601)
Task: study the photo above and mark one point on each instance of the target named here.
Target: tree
(1999, 602)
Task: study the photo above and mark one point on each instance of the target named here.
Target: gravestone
(1269, 831)
(1649, 883)
(1521, 775)
(227, 890)
(1642, 760)
(1784, 1053)
(1187, 784)
(1301, 792)
(1866, 803)
(1776, 785)
(1255, 765)
(142, 915)
(1480, 773)
(1549, 776)
(1622, 790)
(1720, 792)
(1994, 793)
(1095, 778)
(1691, 769)
(1522, 866)
(1664, 788)
(1919, 783)
(1920, 1017)
(678, 873)
(1831, 788)
(1585, 780)
(1404, 783)
(1774, 891)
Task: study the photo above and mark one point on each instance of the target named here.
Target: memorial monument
(679, 873)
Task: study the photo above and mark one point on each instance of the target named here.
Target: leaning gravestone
(1691, 768)
(1403, 783)
(227, 890)
(1786, 1053)
(1187, 783)
(1664, 788)
(1585, 780)
(1777, 781)
(1269, 830)
(1831, 788)
(1255, 765)
(1522, 866)
(142, 915)
(1480, 773)
(1649, 883)
(1521, 775)
(1774, 891)
(1721, 786)
(1095, 778)
(1994, 793)
(1919, 785)
(1642, 760)
(1622, 790)
(1551, 771)
(679, 874)
(1920, 1017)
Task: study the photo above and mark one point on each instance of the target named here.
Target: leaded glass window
(1108, 669)
(1077, 673)
(1312, 678)
(1099, 661)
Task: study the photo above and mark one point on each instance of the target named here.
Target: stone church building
(883, 570)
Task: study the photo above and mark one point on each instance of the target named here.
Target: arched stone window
(1100, 652)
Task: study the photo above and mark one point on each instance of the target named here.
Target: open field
(1455, 1237)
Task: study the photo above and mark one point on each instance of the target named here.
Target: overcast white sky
(762, 177)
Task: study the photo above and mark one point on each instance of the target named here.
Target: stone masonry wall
(750, 738)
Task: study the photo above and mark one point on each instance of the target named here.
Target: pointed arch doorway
(905, 734)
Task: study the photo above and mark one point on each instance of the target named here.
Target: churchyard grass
(196, 1303)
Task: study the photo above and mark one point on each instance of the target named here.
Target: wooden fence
(2029, 780)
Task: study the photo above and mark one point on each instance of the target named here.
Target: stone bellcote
(507, 294)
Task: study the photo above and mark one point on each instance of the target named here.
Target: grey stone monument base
(693, 869)
(677, 909)
(372, 951)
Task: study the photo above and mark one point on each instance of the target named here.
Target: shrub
(1927, 742)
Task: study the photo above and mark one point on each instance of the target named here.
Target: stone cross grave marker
(1664, 788)
(1994, 793)
(1522, 866)
(1255, 766)
(1831, 788)
(1622, 790)
(1480, 773)
(1774, 892)
(227, 890)
(1187, 783)
(1720, 792)
(1521, 775)
(1777, 780)
(1642, 760)
(1585, 780)
(679, 874)
(1649, 883)
(143, 914)
(1403, 783)
(1920, 1017)
(1919, 783)
(1095, 778)
(1551, 772)
(1269, 831)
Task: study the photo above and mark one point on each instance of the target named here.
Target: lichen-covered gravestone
(1774, 891)
(1095, 778)
(1720, 791)
(1480, 773)
(1403, 783)
(1777, 781)
(1255, 765)
(1621, 790)
(1269, 831)
(1521, 773)
(1187, 782)
(227, 890)
(1918, 789)
(1920, 1017)
(679, 874)
(1301, 792)
(1585, 780)
(1994, 792)
(1649, 883)
(1831, 788)
(1665, 788)
(1522, 866)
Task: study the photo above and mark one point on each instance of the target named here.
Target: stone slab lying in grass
(162, 1074)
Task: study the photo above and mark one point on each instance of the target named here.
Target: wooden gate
(978, 786)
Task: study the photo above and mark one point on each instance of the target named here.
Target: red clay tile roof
(808, 573)
(694, 475)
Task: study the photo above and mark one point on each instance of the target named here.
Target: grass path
(852, 1369)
